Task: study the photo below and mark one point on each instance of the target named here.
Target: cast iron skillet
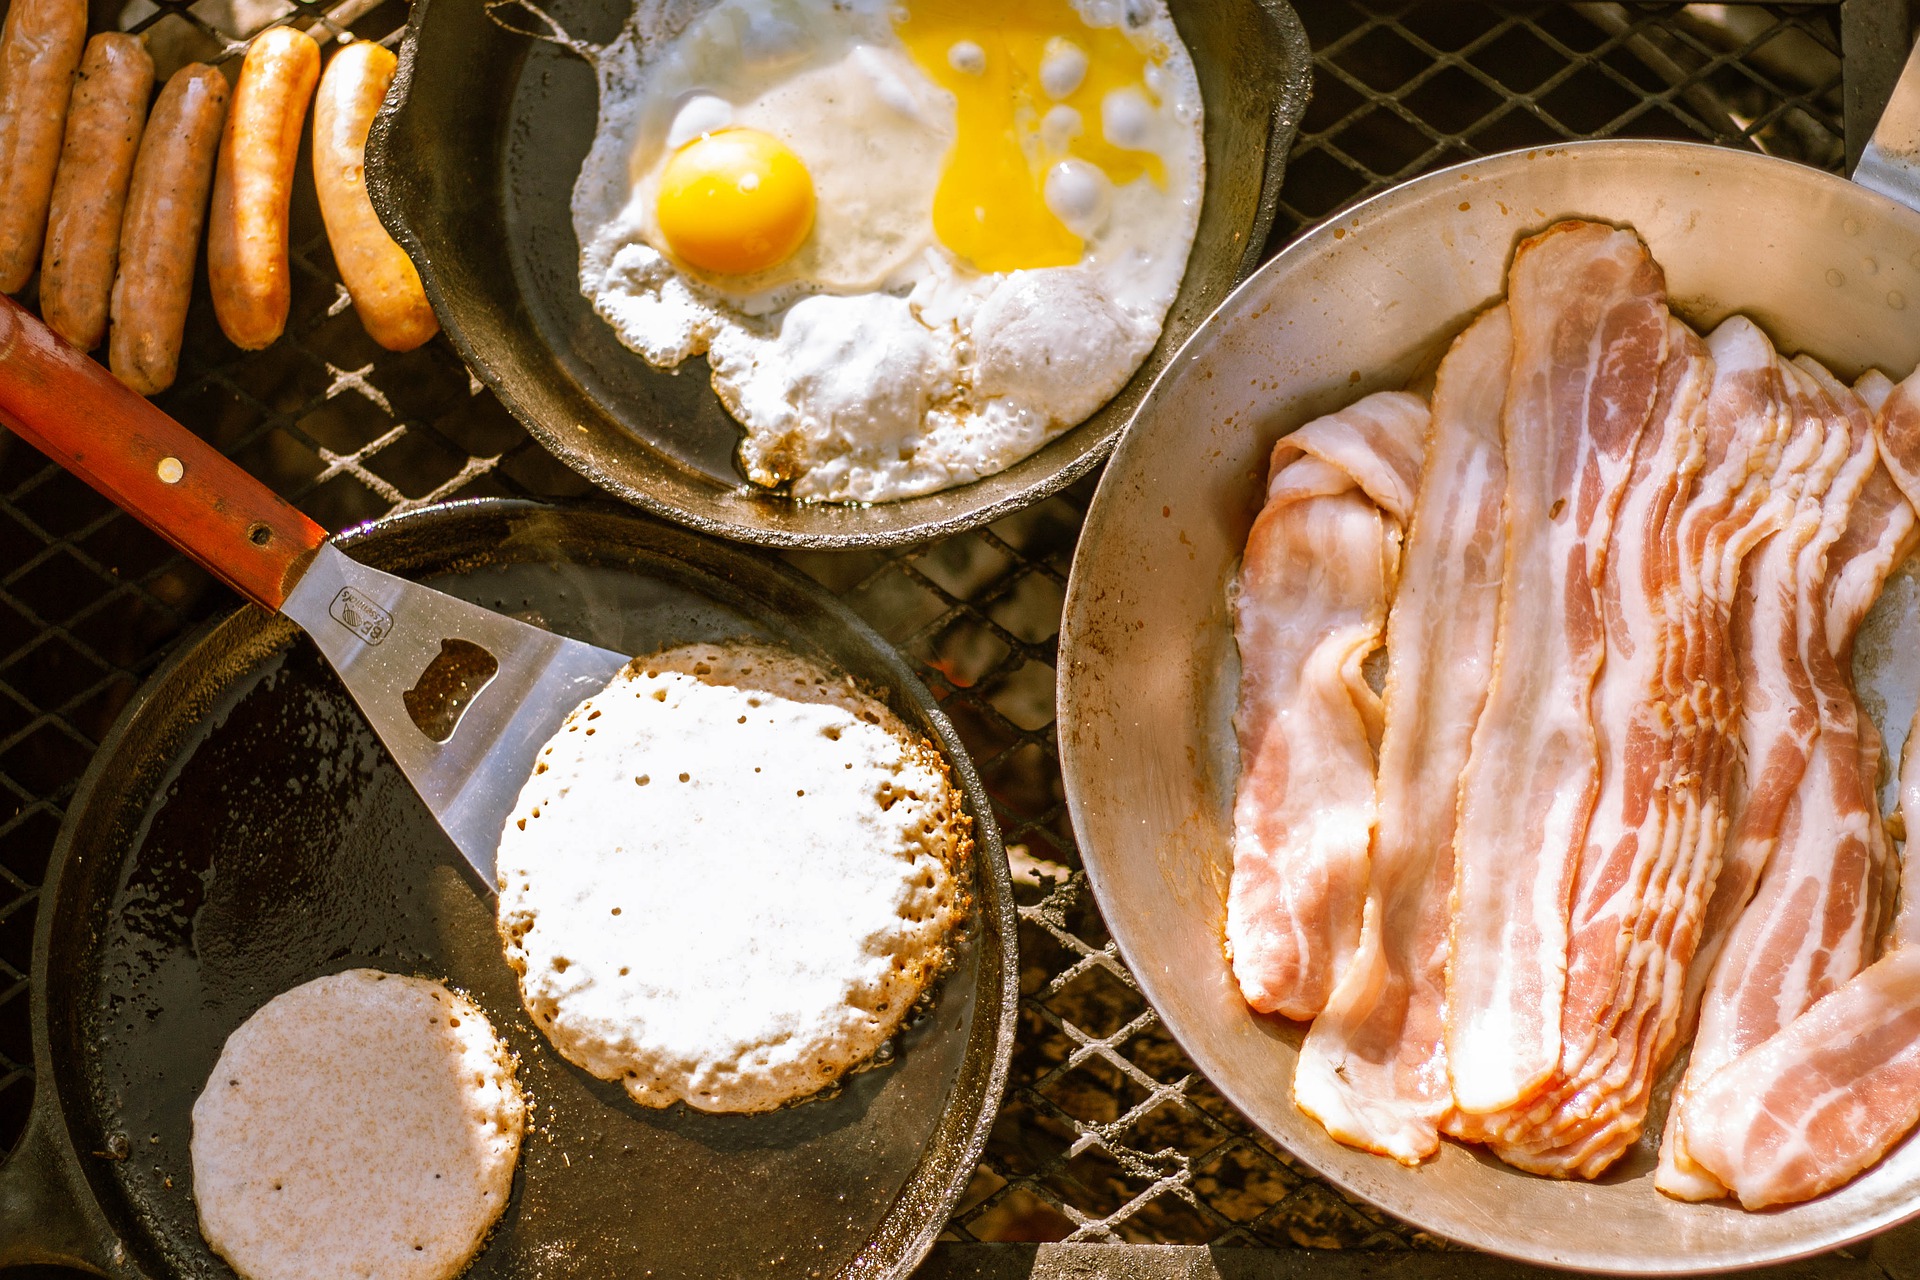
(472, 164)
(242, 831)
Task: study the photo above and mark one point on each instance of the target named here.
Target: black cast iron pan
(241, 831)
(472, 164)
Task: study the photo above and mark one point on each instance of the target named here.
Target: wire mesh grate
(1107, 1133)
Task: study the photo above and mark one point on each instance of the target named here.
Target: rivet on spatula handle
(78, 414)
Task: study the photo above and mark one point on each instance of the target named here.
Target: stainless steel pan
(1148, 670)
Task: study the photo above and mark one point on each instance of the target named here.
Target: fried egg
(915, 239)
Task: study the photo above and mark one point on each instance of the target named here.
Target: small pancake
(362, 1126)
(730, 878)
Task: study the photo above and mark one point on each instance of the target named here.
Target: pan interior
(270, 840)
(1149, 669)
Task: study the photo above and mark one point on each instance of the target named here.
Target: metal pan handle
(1891, 162)
(78, 414)
(47, 1213)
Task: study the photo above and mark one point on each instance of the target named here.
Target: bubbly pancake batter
(729, 878)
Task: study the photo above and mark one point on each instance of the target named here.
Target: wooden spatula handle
(78, 414)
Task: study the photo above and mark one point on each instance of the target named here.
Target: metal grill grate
(1107, 1133)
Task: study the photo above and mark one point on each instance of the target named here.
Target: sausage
(379, 276)
(39, 49)
(160, 235)
(104, 124)
(253, 183)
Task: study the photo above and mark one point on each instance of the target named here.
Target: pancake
(730, 878)
(359, 1125)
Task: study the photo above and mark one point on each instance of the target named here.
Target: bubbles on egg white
(887, 86)
(1060, 126)
(1127, 119)
(1063, 67)
(701, 113)
(1080, 196)
(771, 43)
(967, 58)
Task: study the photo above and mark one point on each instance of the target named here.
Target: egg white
(875, 365)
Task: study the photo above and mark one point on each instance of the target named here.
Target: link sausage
(104, 124)
(378, 274)
(39, 49)
(160, 235)
(247, 231)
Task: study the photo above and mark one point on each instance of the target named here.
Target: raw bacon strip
(1813, 1106)
(1898, 428)
(1879, 535)
(1590, 334)
(1829, 1095)
(1778, 716)
(1309, 606)
(1605, 1137)
(1633, 835)
(1806, 929)
(1372, 1069)
(1742, 503)
(1736, 506)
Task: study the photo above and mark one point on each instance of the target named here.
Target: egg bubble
(967, 58)
(702, 113)
(1061, 125)
(1080, 196)
(1063, 67)
(1126, 118)
(771, 43)
(887, 86)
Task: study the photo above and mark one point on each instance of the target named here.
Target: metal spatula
(461, 696)
(1891, 162)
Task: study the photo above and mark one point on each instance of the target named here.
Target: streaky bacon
(1736, 509)
(1309, 605)
(1809, 925)
(1645, 747)
(1827, 1096)
(1879, 535)
(1739, 502)
(1589, 316)
(1823, 1099)
(1372, 1069)
(1898, 428)
(1777, 712)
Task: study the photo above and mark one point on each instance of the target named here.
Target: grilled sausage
(247, 231)
(104, 123)
(39, 49)
(160, 235)
(378, 274)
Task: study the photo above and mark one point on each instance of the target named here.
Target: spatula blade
(501, 686)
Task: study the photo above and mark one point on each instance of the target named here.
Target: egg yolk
(993, 56)
(735, 202)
